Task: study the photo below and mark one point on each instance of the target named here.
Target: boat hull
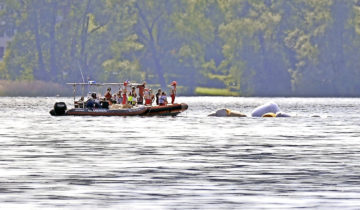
(106, 112)
(168, 110)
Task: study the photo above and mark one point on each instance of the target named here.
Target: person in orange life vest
(173, 91)
(108, 96)
(163, 99)
(141, 93)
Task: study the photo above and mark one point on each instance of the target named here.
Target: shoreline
(39, 88)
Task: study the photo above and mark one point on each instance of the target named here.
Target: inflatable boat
(101, 107)
(60, 109)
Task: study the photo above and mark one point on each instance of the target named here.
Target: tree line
(251, 47)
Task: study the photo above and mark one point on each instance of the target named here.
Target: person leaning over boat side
(158, 95)
(163, 99)
(173, 92)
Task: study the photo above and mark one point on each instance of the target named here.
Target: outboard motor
(59, 109)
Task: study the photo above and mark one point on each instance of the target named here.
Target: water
(186, 162)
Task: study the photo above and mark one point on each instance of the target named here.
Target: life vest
(130, 98)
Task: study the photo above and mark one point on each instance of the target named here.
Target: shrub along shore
(33, 88)
(38, 88)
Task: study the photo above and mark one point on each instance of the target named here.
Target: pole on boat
(74, 92)
(82, 90)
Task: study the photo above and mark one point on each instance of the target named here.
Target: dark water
(187, 162)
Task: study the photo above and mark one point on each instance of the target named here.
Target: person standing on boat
(124, 98)
(141, 93)
(108, 96)
(130, 98)
(124, 101)
(147, 97)
(163, 99)
(173, 92)
(134, 96)
(119, 97)
(158, 95)
(152, 96)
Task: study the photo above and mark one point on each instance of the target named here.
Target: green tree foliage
(254, 55)
(252, 47)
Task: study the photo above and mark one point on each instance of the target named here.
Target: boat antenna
(82, 76)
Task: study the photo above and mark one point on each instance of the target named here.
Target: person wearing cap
(173, 92)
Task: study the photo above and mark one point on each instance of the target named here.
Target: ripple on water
(186, 162)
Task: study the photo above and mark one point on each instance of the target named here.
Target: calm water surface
(186, 162)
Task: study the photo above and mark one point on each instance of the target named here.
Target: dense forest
(247, 47)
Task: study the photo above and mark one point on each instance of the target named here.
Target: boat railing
(81, 103)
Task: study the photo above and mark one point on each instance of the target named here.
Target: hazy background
(211, 47)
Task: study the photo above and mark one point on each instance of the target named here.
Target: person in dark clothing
(92, 102)
(141, 93)
(158, 95)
